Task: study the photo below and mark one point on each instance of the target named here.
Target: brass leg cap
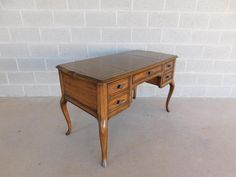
(104, 163)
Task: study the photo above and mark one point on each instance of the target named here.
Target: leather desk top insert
(105, 86)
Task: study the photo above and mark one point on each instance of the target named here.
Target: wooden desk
(105, 86)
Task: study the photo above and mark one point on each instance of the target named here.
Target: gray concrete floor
(197, 139)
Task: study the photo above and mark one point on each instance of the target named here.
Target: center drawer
(147, 73)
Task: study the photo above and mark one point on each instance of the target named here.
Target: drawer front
(118, 102)
(116, 111)
(167, 77)
(147, 73)
(168, 66)
(118, 86)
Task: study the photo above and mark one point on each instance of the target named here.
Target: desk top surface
(108, 67)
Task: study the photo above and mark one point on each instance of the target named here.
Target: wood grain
(118, 86)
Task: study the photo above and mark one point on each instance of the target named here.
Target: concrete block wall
(36, 35)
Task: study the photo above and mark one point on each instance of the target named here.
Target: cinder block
(83, 4)
(180, 65)
(163, 92)
(205, 37)
(8, 65)
(43, 50)
(3, 78)
(68, 18)
(212, 5)
(51, 4)
(37, 18)
(148, 4)
(218, 52)
(229, 80)
(14, 50)
(127, 47)
(95, 50)
(47, 77)
(25, 34)
(199, 66)
(100, 19)
(193, 91)
(176, 36)
(11, 91)
(233, 53)
(36, 90)
(189, 51)
(233, 94)
(54, 90)
(209, 79)
(85, 34)
(165, 19)
(21, 77)
(31, 64)
(228, 37)
(183, 5)
(116, 35)
(218, 91)
(232, 5)
(10, 18)
(52, 63)
(148, 90)
(162, 48)
(4, 35)
(16, 4)
(185, 79)
(114, 4)
(55, 34)
(225, 67)
(73, 50)
(222, 21)
(132, 19)
(146, 35)
(189, 20)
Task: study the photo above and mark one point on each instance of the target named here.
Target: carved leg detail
(103, 132)
(172, 87)
(134, 92)
(64, 109)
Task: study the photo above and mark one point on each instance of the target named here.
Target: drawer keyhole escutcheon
(168, 65)
(120, 86)
(149, 73)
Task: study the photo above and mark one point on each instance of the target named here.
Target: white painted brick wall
(68, 18)
(36, 35)
(25, 34)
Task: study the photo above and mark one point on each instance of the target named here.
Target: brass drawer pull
(120, 86)
(120, 101)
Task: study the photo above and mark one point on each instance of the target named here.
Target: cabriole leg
(172, 87)
(64, 109)
(103, 133)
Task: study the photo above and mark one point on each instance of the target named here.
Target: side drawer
(168, 66)
(166, 77)
(118, 101)
(118, 86)
(147, 73)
